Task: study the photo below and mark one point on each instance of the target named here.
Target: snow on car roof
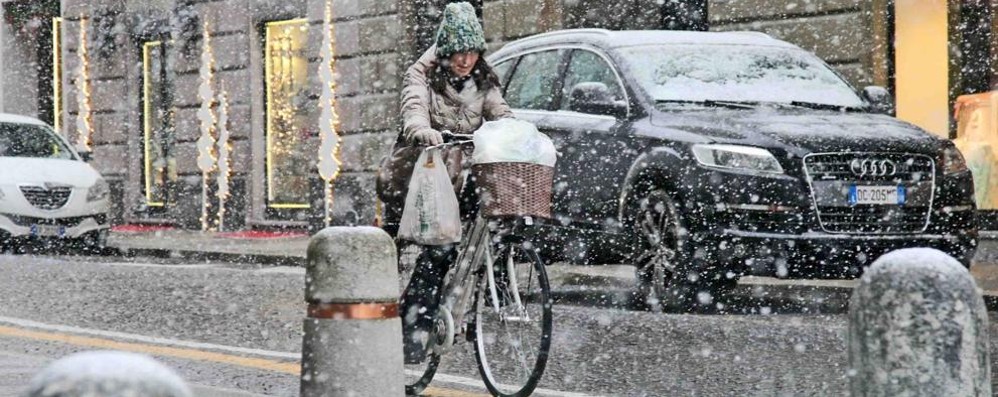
(16, 118)
(626, 38)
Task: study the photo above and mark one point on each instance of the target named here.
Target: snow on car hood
(802, 131)
(17, 170)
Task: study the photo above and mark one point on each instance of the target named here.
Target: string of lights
(224, 151)
(206, 114)
(84, 116)
(329, 121)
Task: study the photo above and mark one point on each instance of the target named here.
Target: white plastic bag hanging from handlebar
(512, 141)
(431, 215)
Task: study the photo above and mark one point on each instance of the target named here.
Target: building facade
(144, 73)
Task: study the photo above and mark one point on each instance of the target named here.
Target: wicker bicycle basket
(514, 189)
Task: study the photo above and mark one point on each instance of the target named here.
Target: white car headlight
(953, 161)
(745, 158)
(99, 191)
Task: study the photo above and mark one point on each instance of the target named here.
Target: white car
(48, 192)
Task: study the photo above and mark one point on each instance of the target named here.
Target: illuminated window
(154, 138)
(289, 164)
(921, 59)
(57, 74)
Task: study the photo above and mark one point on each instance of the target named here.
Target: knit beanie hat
(459, 31)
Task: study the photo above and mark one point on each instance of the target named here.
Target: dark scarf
(458, 82)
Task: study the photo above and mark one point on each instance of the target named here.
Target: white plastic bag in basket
(512, 141)
(431, 215)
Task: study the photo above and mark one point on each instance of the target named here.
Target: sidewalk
(289, 250)
(266, 248)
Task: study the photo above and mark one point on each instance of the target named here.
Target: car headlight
(953, 161)
(746, 158)
(98, 191)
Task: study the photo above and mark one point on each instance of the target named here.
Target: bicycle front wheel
(512, 321)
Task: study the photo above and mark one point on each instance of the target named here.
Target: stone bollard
(918, 327)
(107, 374)
(353, 336)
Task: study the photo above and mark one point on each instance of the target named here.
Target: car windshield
(24, 140)
(736, 73)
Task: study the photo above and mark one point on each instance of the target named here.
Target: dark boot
(421, 300)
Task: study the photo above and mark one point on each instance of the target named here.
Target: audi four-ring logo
(873, 167)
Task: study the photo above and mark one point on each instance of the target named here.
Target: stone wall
(507, 20)
(367, 63)
(20, 66)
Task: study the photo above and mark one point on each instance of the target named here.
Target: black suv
(704, 156)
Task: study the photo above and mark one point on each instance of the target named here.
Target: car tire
(670, 276)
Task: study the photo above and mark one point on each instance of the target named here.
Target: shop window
(976, 118)
(289, 164)
(153, 113)
(57, 74)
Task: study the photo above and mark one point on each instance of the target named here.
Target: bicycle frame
(463, 281)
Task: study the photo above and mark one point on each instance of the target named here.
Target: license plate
(48, 231)
(882, 195)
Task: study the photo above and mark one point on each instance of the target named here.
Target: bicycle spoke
(512, 341)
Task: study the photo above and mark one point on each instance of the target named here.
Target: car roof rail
(753, 33)
(560, 32)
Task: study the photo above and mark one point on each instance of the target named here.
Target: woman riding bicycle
(450, 88)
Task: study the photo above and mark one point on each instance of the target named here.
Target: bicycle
(495, 293)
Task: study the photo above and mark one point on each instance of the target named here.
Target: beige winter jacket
(460, 113)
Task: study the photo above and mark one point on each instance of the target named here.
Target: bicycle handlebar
(452, 139)
(450, 136)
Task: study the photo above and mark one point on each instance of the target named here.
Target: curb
(605, 291)
(267, 260)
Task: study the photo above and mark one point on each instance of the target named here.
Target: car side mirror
(880, 99)
(87, 156)
(596, 98)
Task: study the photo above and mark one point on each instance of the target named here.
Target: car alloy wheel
(663, 239)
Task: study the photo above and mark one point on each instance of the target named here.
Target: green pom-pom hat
(459, 31)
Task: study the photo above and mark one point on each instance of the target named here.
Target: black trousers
(421, 299)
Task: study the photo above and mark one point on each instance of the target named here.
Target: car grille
(28, 221)
(831, 175)
(47, 199)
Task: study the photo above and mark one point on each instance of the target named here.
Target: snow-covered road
(245, 311)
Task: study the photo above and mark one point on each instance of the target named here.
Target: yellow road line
(293, 368)
(258, 363)
(436, 392)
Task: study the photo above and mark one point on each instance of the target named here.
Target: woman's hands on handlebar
(434, 138)
(450, 137)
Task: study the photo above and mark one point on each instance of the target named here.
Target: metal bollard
(918, 327)
(353, 337)
(108, 374)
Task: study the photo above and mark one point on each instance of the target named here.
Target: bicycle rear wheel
(512, 321)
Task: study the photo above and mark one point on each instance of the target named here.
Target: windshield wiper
(712, 103)
(824, 106)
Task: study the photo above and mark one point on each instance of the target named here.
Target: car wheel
(670, 276)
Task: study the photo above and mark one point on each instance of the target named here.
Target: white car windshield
(25, 140)
(736, 73)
